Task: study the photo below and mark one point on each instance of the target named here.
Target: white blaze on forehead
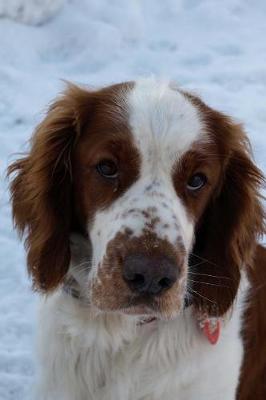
(163, 121)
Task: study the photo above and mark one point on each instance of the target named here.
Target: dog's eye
(107, 169)
(196, 182)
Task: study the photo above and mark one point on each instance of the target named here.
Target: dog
(142, 212)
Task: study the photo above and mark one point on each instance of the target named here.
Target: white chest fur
(111, 358)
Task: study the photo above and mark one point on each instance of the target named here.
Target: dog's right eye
(196, 182)
(108, 169)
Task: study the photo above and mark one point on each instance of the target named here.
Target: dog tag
(211, 328)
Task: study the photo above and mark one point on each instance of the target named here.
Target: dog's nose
(150, 274)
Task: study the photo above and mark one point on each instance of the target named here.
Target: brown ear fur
(41, 189)
(234, 219)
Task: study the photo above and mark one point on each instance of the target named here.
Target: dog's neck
(210, 327)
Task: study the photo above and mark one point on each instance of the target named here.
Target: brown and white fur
(100, 336)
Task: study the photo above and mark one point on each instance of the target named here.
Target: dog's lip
(138, 310)
(144, 317)
(145, 307)
(146, 314)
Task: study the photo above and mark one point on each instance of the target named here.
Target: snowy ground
(213, 47)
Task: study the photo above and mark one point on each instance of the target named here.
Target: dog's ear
(41, 188)
(233, 221)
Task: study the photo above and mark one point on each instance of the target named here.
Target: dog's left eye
(196, 182)
(108, 169)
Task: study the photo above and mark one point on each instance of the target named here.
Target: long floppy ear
(41, 189)
(233, 221)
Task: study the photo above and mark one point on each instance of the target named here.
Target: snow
(33, 12)
(214, 48)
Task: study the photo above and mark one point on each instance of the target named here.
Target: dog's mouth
(109, 293)
(146, 312)
(143, 316)
(165, 306)
(138, 310)
(150, 309)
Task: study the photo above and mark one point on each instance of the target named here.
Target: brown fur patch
(252, 381)
(228, 212)
(56, 188)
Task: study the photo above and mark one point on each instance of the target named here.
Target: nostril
(138, 279)
(134, 277)
(165, 283)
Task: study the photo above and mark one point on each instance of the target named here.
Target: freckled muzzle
(141, 275)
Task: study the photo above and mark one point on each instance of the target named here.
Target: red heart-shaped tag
(211, 329)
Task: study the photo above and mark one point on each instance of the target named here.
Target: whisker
(211, 276)
(200, 295)
(196, 265)
(78, 266)
(205, 259)
(210, 284)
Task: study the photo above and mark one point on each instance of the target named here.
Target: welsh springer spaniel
(142, 213)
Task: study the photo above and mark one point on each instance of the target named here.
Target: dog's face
(153, 178)
(143, 177)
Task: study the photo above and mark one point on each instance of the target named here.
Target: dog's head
(162, 186)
